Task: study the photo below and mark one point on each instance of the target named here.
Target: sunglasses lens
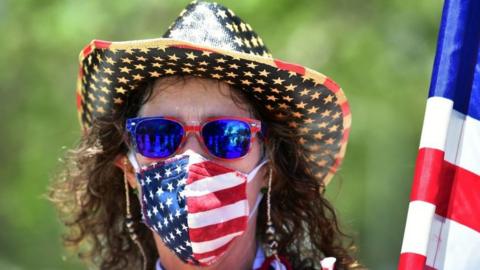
(227, 138)
(158, 138)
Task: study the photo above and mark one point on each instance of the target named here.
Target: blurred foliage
(381, 52)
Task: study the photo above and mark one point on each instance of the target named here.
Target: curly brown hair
(89, 194)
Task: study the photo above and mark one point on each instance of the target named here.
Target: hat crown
(215, 26)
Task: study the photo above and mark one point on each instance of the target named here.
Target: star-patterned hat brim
(308, 102)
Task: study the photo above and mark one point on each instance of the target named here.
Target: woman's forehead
(193, 99)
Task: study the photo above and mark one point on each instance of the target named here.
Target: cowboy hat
(210, 41)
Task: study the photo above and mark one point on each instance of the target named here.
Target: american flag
(196, 206)
(443, 221)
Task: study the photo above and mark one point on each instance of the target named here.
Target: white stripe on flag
(453, 246)
(435, 123)
(209, 185)
(469, 154)
(417, 229)
(208, 246)
(218, 215)
(455, 127)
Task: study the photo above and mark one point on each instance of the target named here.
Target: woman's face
(195, 100)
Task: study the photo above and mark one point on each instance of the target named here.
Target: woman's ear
(124, 164)
(264, 171)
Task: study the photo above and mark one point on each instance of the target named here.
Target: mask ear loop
(129, 222)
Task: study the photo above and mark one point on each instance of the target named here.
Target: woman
(200, 151)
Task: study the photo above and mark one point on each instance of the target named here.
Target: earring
(270, 232)
(272, 243)
(129, 221)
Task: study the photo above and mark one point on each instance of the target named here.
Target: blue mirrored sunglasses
(223, 137)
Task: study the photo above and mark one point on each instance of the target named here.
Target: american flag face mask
(195, 205)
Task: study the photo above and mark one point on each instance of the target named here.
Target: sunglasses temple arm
(133, 160)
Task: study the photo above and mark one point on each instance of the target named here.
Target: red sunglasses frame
(196, 129)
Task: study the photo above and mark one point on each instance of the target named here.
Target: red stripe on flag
(205, 169)
(426, 180)
(410, 261)
(454, 190)
(464, 203)
(289, 66)
(445, 188)
(215, 231)
(216, 199)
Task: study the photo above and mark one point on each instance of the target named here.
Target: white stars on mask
(164, 203)
(182, 182)
(182, 194)
(169, 202)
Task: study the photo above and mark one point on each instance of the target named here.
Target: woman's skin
(195, 100)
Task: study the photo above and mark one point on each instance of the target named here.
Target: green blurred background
(380, 51)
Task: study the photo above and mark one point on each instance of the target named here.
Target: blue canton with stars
(164, 206)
